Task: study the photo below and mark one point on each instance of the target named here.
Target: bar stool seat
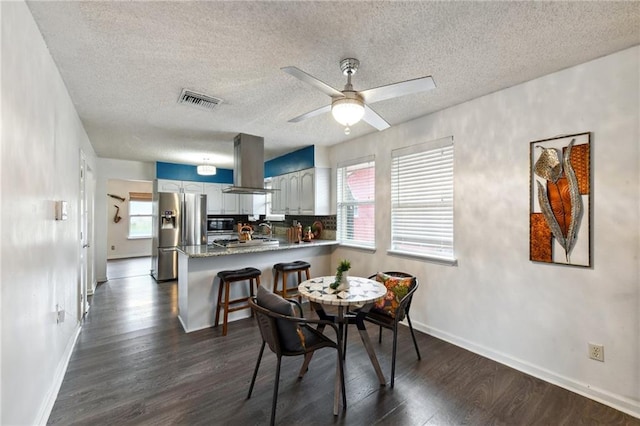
(286, 268)
(226, 278)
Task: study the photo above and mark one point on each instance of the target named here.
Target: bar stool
(226, 278)
(285, 269)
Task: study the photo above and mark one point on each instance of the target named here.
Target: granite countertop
(211, 251)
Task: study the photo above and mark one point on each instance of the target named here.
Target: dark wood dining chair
(290, 334)
(392, 311)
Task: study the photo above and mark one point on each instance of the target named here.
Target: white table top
(361, 291)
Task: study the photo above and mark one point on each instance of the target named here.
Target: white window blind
(356, 202)
(422, 199)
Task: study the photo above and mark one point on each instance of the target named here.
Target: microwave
(221, 224)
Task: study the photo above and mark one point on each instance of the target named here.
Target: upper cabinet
(280, 185)
(306, 192)
(253, 204)
(220, 203)
(167, 185)
(192, 187)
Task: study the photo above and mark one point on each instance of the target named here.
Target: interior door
(90, 191)
(83, 305)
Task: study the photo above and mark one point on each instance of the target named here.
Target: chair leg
(305, 364)
(306, 271)
(380, 334)
(284, 285)
(275, 282)
(393, 356)
(275, 393)
(215, 324)
(255, 371)
(413, 336)
(299, 281)
(226, 308)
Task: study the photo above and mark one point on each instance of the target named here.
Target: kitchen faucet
(266, 225)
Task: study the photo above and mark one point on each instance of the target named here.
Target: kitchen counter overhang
(199, 265)
(211, 251)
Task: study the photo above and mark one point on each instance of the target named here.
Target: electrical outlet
(596, 352)
(113, 247)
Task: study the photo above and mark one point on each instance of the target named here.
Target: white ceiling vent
(199, 100)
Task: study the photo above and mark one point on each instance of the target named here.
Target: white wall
(41, 141)
(119, 245)
(113, 169)
(535, 317)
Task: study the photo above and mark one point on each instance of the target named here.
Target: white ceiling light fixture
(206, 169)
(348, 110)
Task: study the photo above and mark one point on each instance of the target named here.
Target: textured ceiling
(125, 63)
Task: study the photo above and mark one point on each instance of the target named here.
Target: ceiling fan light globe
(347, 111)
(206, 170)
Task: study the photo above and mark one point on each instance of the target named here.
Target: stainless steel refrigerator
(178, 219)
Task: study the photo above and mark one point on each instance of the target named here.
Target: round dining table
(361, 293)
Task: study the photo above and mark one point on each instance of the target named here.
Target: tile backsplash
(328, 222)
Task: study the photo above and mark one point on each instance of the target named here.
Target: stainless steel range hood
(248, 166)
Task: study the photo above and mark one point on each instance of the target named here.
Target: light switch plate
(61, 210)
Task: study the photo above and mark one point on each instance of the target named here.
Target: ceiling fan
(349, 106)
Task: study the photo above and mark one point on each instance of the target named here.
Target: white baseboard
(45, 409)
(605, 397)
(93, 287)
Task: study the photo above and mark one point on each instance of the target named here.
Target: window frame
(140, 197)
(440, 248)
(343, 205)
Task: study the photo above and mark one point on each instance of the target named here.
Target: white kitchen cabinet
(166, 185)
(220, 203)
(230, 203)
(192, 187)
(214, 198)
(188, 187)
(279, 198)
(253, 204)
(306, 192)
(293, 193)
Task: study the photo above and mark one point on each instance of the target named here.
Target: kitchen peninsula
(198, 266)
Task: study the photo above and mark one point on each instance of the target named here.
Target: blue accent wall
(185, 172)
(292, 162)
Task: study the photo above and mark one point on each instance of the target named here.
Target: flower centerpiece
(341, 276)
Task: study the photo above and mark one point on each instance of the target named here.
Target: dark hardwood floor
(133, 364)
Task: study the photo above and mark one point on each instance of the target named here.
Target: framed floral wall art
(560, 188)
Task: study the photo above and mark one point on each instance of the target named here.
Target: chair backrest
(267, 325)
(405, 303)
(279, 324)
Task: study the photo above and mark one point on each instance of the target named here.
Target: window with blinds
(356, 202)
(140, 214)
(422, 200)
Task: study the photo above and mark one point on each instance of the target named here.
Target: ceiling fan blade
(396, 90)
(374, 119)
(310, 114)
(311, 80)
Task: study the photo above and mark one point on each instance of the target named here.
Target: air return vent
(199, 100)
